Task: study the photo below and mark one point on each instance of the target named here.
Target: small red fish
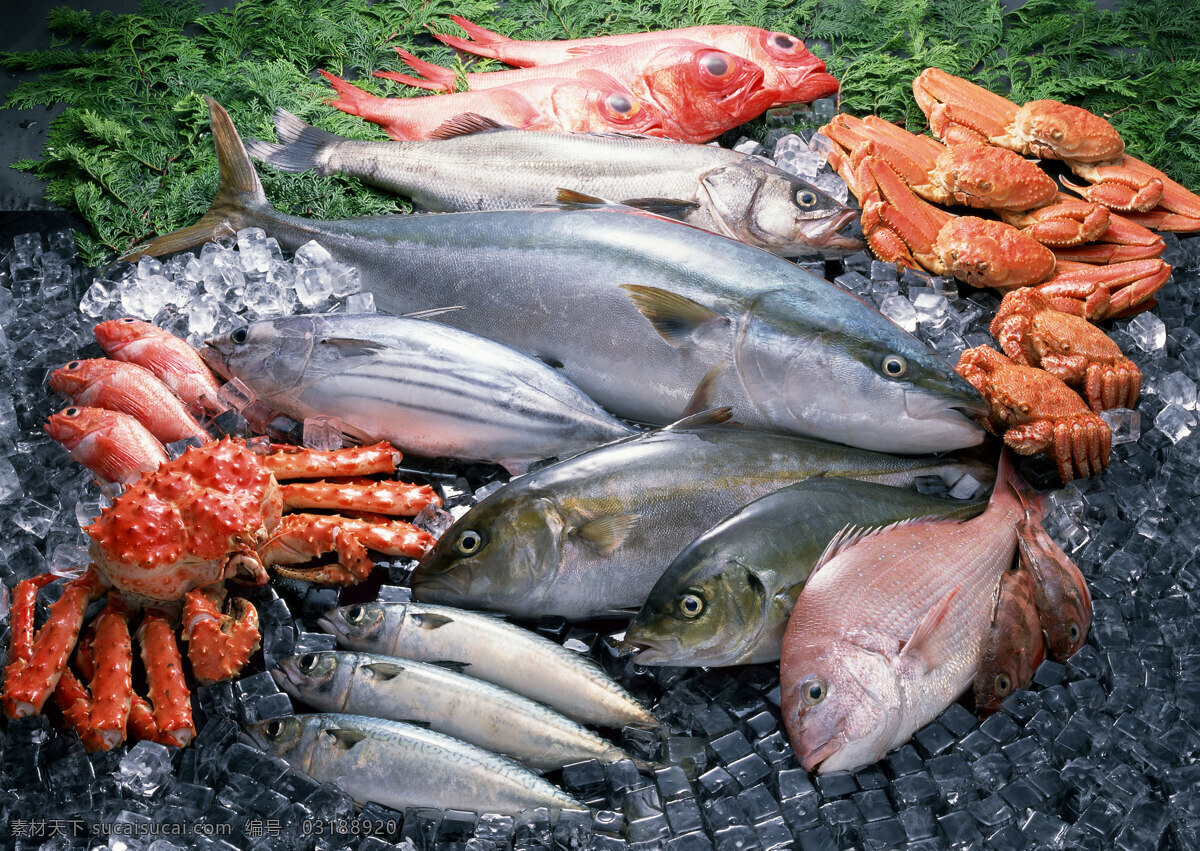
(699, 91)
(114, 446)
(171, 359)
(130, 389)
(1060, 591)
(794, 74)
(1013, 647)
(595, 103)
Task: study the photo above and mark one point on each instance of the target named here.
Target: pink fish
(1060, 592)
(794, 74)
(131, 389)
(889, 629)
(114, 446)
(171, 359)
(1013, 647)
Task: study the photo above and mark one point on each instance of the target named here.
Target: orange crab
(960, 111)
(1033, 333)
(1037, 412)
(902, 228)
(174, 537)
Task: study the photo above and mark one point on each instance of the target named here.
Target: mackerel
(467, 708)
(402, 765)
(647, 316)
(489, 649)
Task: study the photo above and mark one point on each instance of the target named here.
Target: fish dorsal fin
(923, 647)
(451, 665)
(345, 739)
(467, 124)
(851, 535)
(433, 311)
(676, 318)
(347, 347)
(570, 199)
(711, 417)
(429, 620)
(702, 398)
(553, 363)
(605, 534)
(672, 208)
(384, 671)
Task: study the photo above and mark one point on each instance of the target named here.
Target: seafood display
(459, 706)
(726, 598)
(709, 322)
(477, 164)
(425, 387)
(402, 765)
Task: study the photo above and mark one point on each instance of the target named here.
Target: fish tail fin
(351, 99)
(1009, 483)
(239, 191)
(436, 78)
(301, 146)
(415, 82)
(479, 41)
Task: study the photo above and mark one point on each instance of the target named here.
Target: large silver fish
(589, 536)
(425, 387)
(490, 649)
(476, 164)
(401, 765)
(889, 630)
(646, 315)
(467, 708)
(725, 600)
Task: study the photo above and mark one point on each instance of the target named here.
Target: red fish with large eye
(790, 70)
(699, 91)
(175, 363)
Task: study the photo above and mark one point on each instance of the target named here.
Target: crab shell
(176, 529)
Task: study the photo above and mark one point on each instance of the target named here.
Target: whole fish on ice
(424, 387)
(647, 316)
(477, 164)
(889, 629)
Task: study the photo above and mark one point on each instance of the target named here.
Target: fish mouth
(830, 746)
(330, 626)
(436, 587)
(283, 676)
(653, 651)
(214, 358)
(826, 232)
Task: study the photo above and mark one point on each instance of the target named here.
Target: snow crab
(171, 540)
(1033, 333)
(902, 228)
(1037, 412)
(960, 111)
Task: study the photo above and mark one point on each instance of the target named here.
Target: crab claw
(219, 644)
(1105, 292)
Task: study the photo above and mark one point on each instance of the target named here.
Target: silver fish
(589, 536)
(427, 388)
(474, 163)
(725, 600)
(470, 709)
(647, 316)
(402, 765)
(889, 630)
(489, 649)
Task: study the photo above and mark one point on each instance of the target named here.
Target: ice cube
(883, 271)
(202, 314)
(99, 298)
(346, 280)
(313, 285)
(1148, 332)
(148, 267)
(144, 769)
(1125, 424)
(433, 520)
(832, 185)
(360, 303)
(1175, 421)
(901, 311)
(967, 487)
(1176, 387)
(10, 482)
(746, 145)
(236, 395)
(35, 517)
(323, 433)
(312, 253)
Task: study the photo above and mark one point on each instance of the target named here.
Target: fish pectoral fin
(345, 739)
(346, 347)
(383, 671)
(925, 648)
(701, 419)
(467, 124)
(677, 319)
(552, 362)
(451, 665)
(605, 534)
(672, 208)
(427, 620)
(570, 199)
(702, 398)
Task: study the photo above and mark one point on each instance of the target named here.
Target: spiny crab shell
(174, 530)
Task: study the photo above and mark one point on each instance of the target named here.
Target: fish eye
(805, 198)
(784, 41)
(468, 543)
(356, 614)
(274, 730)
(813, 690)
(239, 335)
(1003, 684)
(307, 663)
(127, 320)
(716, 65)
(895, 366)
(691, 605)
(623, 106)
(72, 412)
(1073, 631)
(74, 365)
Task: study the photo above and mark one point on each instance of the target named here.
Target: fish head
(72, 425)
(770, 208)
(841, 703)
(833, 367)
(322, 679)
(270, 356)
(359, 625)
(115, 334)
(500, 552)
(599, 103)
(705, 90)
(73, 378)
(290, 737)
(710, 607)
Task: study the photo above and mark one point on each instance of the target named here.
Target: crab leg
(1176, 198)
(24, 602)
(302, 537)
(165, 686)
(1124, 240)
(100, 718)
(219, 644)
(298, 463)
(27, 687)
(384, 497)
(1105, 292)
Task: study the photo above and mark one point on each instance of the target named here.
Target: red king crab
(960, 111)
(1037, 412)
(171, 540)
(1033, 333)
